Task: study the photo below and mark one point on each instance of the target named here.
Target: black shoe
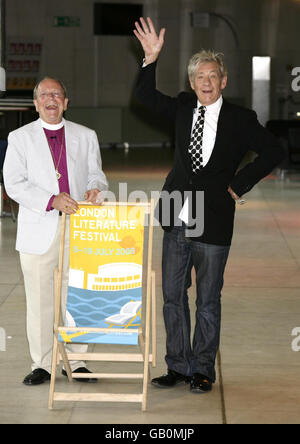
(170, 379)
(36, 377)
(200, 383)
(81, 370)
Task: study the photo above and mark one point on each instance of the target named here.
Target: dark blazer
(238, 132)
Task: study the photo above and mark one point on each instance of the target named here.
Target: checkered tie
(195, 148)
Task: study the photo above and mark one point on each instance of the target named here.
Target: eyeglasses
(56, 95)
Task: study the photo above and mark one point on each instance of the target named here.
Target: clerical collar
(48, 126)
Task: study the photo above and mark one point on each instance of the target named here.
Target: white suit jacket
(30, 179)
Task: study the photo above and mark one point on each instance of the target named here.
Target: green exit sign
(67, 21)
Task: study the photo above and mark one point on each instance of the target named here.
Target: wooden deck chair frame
(145, 357)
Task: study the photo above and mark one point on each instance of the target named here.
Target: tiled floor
(258, 372)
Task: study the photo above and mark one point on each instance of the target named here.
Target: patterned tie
(195, 148)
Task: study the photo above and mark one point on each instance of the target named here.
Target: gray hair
(64, 89)
(206, 56)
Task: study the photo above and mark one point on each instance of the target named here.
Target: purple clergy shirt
(57, 141)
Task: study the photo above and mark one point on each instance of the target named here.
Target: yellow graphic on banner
(106, 235)
(105, 273)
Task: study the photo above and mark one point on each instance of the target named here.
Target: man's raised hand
(150, 41)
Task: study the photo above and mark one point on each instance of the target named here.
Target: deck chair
(117, 280)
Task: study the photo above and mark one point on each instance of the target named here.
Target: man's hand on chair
(64, 203)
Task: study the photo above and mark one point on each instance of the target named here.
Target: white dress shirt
(209, 137)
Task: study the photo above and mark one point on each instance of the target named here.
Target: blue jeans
(180, 255)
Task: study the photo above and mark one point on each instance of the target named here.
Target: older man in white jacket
(50, 164)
